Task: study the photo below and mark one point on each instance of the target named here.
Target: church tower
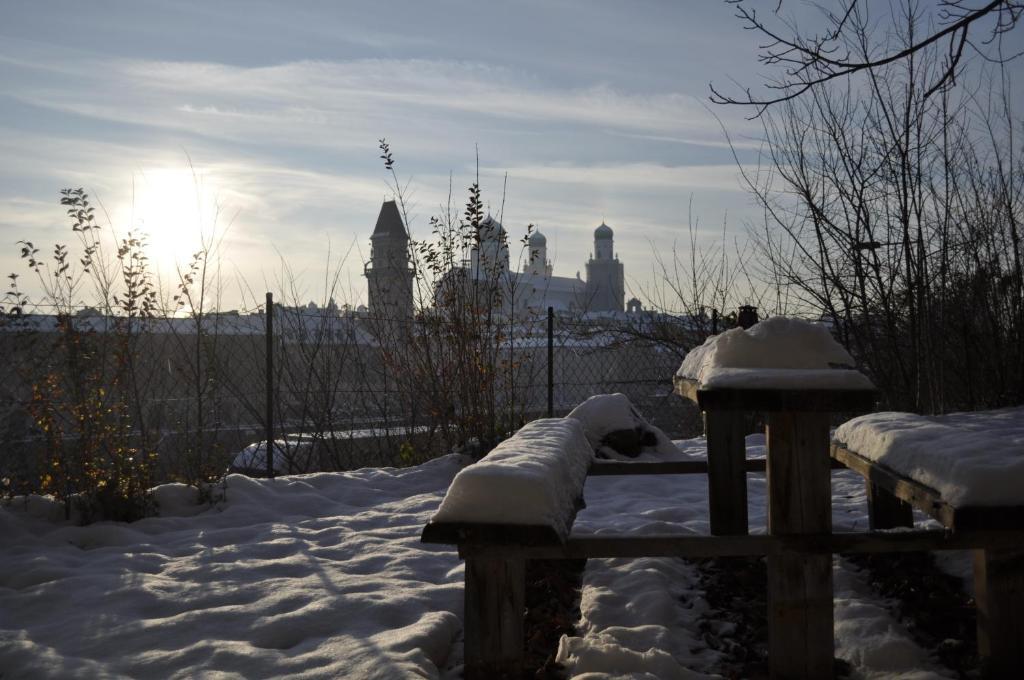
(537, 263)
(389, 273)
(606, 290)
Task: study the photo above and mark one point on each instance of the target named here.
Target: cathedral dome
(603, 232)
(491, 227)
(537, 240)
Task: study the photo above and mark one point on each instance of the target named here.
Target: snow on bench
(527, 490)
(967, 471)
(969, 466)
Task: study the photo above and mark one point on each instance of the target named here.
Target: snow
(971, 459)
(534, 477)
(868, 638)
(315, 576)
(604, 414)
(254, 456)
(777, 353)
(324, 576)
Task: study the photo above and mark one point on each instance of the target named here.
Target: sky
(260, 121)
(257, 124)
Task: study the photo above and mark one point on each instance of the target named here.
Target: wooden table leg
(885, 511)
(999, 594)
(493, 622)
(800, 619)
(727, 477)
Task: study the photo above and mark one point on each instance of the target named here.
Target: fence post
(270, 385)
(551, 362)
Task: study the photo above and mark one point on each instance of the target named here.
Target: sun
(176, 210)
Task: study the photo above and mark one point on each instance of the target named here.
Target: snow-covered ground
(323, 575)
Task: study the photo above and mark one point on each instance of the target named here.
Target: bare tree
(889, 212)
(843, 46)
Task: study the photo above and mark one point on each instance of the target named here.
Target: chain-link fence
(346, 390)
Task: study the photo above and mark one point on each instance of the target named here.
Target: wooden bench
(801, 643)
(998, 559)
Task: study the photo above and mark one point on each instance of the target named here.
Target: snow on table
(777, 353)
(971, 459)
(535, 478)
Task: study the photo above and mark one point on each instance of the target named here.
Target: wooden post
(727, 475)
(885, 511)
(999, 594)
(800, 620)
(493, 622)
(551, 362)
(270, 385)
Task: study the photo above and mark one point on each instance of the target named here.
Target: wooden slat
(727, 478)
(493, 623)
(923, 498)
(768, 400)
(800, 616)
(674, 467)
(500, 534)
(690, 546)
(669, 467)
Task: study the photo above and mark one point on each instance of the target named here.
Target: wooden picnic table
(798, 472)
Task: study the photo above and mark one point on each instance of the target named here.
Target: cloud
(636, 176)
(339, 104)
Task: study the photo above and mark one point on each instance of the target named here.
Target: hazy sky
(596, 110)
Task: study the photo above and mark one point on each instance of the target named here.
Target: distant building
(389, 272)
(534, 289)
(606, 290)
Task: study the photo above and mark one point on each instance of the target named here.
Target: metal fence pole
(551, 362)
(270, 385)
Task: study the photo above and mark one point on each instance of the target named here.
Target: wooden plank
(674, 467)
(768, 400)
(886, 511)
(493, 622)
(929, 500)
(999, 594)
(800, 618)
(727, 478)
(669, 467)
(690, 546)
(454, 533)
(918, 495)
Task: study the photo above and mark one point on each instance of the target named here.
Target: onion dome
(491, 226)
(537, 240)
(603, 232)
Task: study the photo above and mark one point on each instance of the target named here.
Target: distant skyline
(595, 110)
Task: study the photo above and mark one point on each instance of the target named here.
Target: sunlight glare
(176, 209)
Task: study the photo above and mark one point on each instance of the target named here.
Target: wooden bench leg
(800, 619)
(727, 477)
(885, 511)
(493, 622)
(999, 594)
